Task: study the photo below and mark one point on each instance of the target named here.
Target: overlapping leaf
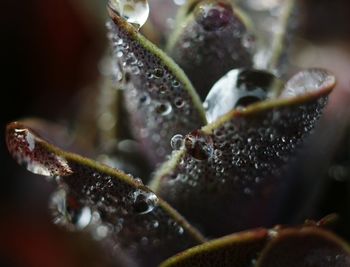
(299, 247)
(275, 24)
(303, 248)
(160, 99)
(123, 210)
(210, 38)
(231, 170)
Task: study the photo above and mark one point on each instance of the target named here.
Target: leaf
(275, 23)
(231, 170)
(234, 250)
(305, 247)
(200, 41)
(299, 247)
(132, 217)
(159, 97)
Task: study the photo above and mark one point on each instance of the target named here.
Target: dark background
(49, 53)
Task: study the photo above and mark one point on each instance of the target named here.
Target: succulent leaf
(159, 97)
(234, 250)
(304, 246)
(131, 215)
(211, 38)
(231, 170)
(275, 28)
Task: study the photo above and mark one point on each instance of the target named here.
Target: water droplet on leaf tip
(133, 11)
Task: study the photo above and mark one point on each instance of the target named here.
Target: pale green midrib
(121, 177)
(176, 71)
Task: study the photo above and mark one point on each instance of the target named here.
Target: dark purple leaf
(124, 212)
(231, 170)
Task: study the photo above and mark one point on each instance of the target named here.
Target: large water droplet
(199, 145)
(240, 88)
(213, 16)
(133, 11)
(144, 202)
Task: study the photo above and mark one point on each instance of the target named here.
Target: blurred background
(50, 51)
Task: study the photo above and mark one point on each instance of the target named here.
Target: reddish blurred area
(49, 52)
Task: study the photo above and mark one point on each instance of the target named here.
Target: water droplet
(135, 70)
(71, 218)
(180, 230)
(155, 224)
(186, 45)
(179, 2)
(248, 191)
(58, 207)
(163, 108)
(240, 88)
(179, 102)
(101, 231)
(138, 181)
(175, 83)
(158, 73)
(144, 99)
(162, 89)
(199, 145)
(248, 41)
(133, 11)
(83, 218)
(176, 141)
(213, 17)
(264, 5)
(144, 202)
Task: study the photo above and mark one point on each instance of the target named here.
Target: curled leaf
(231, 170)
(305, 247)
(122, 210)
(233, 250)
(160, 99)
(299, 247)
(211, 38)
